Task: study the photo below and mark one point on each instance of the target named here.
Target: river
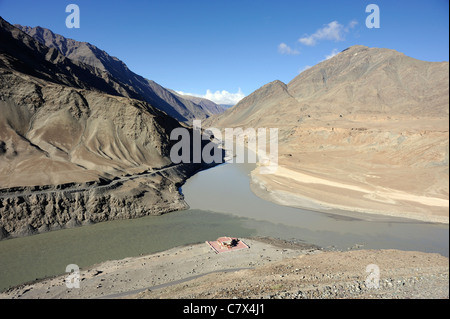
(221, 204)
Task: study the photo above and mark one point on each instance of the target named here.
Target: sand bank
(309, 190)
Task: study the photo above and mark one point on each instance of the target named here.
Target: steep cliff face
(29, 210)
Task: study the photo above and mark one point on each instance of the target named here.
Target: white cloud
(309, 41)
(220, 97)
(332, 54)
(352, 24)
(332, 31)
(283, 48)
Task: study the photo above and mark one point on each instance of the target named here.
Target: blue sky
(231, 48)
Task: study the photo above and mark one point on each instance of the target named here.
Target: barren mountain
(359, 80)
(179, 107)
(74, 147)
(373, 81)
(366, 130)
(22, 53)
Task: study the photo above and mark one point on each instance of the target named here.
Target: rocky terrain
(325, 275)
(30, 210)
(71, 138)
(270, 269)
(366, 130)
(182, 108)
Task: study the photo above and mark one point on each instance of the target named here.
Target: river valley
(221, 203)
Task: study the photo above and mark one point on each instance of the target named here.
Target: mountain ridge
(179, 107)
(52, 65)
(346, 84)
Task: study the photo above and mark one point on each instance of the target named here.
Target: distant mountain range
(182, 108)
(227, 106)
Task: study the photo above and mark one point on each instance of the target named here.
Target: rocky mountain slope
(179, 107)
(69, 133)
(366, 130)
(359, 80)
(22, 53)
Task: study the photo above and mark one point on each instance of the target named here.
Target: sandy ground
(376, 166)
(362, 274)
(270, 268)
(311, 190)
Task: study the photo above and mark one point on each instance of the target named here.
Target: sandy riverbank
(269, 269)
(304, 189)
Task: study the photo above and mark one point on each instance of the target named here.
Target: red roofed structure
(224, 244)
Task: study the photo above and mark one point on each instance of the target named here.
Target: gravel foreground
(270, 269)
